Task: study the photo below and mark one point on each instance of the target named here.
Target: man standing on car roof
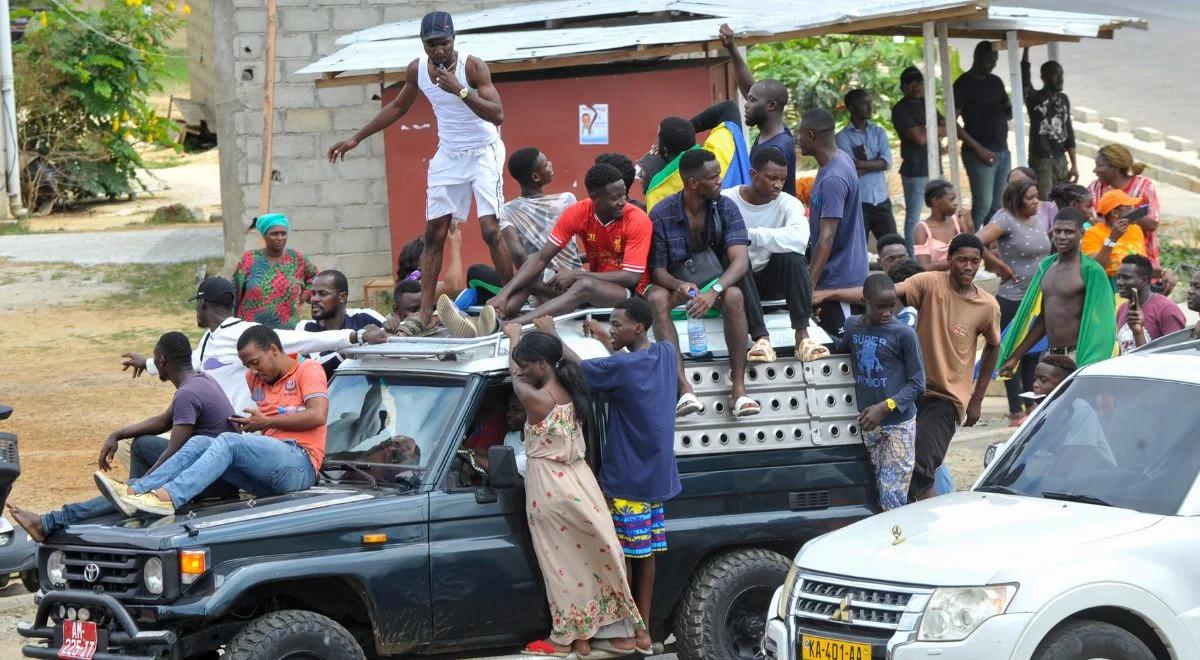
(639, 471)
(470, 154)
(217, 354)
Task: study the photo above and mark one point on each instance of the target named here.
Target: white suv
(1081, 540)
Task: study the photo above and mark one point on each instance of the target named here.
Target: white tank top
(459, 128)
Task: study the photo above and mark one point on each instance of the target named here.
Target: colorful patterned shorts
(641, 527)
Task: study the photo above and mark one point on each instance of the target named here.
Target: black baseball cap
(216, 290)
(437, 25)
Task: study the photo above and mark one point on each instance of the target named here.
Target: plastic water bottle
(287, 410)
(697, 335)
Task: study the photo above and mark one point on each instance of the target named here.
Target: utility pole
(12, 153)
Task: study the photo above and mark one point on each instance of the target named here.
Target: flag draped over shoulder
(1097, 328)
(727, 143)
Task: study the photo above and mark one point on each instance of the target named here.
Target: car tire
(293, 633)
(29, 578)
(1085, 640)
(723, 611)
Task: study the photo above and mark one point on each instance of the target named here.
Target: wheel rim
(745, 623)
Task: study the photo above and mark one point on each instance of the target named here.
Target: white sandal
(744, 406)
(688, 404)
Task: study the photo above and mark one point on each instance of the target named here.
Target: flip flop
(458, 325)
(603, 648)
(810, 350)
(411, 327)
(688, 404)
(744, 406)
(761, 351)
(657, 648)
(542, 648)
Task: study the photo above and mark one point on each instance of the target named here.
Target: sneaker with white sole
(458, 325)
(487, 323)
(149, 503)
(113, 490)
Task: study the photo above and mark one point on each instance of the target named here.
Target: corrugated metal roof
(1049, 22)
(393, 46)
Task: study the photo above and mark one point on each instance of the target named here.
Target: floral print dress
(268, 293)
(573, 535)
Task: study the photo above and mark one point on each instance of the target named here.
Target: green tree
(818, 71)
(83, 85)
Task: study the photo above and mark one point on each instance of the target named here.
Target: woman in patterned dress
(270, 282)
(573, 536)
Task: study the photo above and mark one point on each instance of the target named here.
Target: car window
(389, 420)
(1127, 442)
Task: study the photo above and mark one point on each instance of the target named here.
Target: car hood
(152, 532)
(966, 538)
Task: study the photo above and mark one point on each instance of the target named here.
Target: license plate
(80, 640)
(821, 648)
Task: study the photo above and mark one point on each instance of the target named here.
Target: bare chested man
(1069, 302)
(470, 154)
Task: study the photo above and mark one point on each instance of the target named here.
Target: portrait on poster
(593, 123)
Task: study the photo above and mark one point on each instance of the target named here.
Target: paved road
(152, 246)
(1149, 77)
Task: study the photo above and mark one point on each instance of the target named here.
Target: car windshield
(1123, 442)
(389, 420)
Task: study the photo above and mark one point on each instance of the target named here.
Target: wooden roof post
(1018, 96)
(948, 100)
(264, 201)
(932, 143)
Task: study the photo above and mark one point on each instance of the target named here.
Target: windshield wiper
(994, 488)
(1074, 497)
(355, 469)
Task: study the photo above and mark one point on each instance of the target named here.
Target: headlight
(785, 595)
(56, 569)
(152, 576)
(955, 612)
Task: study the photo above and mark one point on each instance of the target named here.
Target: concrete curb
(1169, 159)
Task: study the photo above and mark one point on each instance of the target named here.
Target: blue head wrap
(264, 222)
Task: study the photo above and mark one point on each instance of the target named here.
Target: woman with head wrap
(271, 281)
(1116, 170)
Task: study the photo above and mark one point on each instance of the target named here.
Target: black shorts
(937, 420)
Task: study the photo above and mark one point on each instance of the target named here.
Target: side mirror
(502, 467)
(5, 412)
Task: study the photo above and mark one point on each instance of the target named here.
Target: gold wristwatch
(891, 403)
(462, 93)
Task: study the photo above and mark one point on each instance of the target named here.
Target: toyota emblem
(91, 572)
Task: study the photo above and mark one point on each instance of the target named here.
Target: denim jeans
(254, 463)
(987, 184)
(144, 451)
(914, 202)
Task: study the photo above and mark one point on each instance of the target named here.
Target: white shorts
(455, 175)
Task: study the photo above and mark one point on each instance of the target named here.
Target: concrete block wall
(200, 63)
(338, 213)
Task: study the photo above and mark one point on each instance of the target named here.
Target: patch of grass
(165, 162)
(14, 228)
(163, 287)
(176, 76)
(170, 215)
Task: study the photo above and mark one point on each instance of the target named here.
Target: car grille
(870, 606)
(118, 573)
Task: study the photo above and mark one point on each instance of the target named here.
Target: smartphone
(1138, 213)
(860, 152)
(1030, 396)
(1134, 303)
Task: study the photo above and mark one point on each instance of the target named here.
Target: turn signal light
(372, 539)
(192, 564)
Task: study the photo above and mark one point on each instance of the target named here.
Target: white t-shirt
(777, 227)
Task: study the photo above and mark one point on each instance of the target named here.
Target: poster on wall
(593, 123)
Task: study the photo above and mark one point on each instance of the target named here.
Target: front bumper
(996, 639)
(125, 641)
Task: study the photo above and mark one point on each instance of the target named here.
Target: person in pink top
(1116, 170)
(1145, 316)
(931, 237)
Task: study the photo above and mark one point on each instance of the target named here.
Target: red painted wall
(544, 114)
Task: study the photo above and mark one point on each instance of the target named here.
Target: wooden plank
(264, 200)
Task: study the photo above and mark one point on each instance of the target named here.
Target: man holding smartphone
(1147, 315)
(867, 144)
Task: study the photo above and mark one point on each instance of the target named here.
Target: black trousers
(785, 276)
(879, 219)
(937, 420)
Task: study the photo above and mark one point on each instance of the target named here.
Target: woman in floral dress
(270, 282)
(573, 536)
